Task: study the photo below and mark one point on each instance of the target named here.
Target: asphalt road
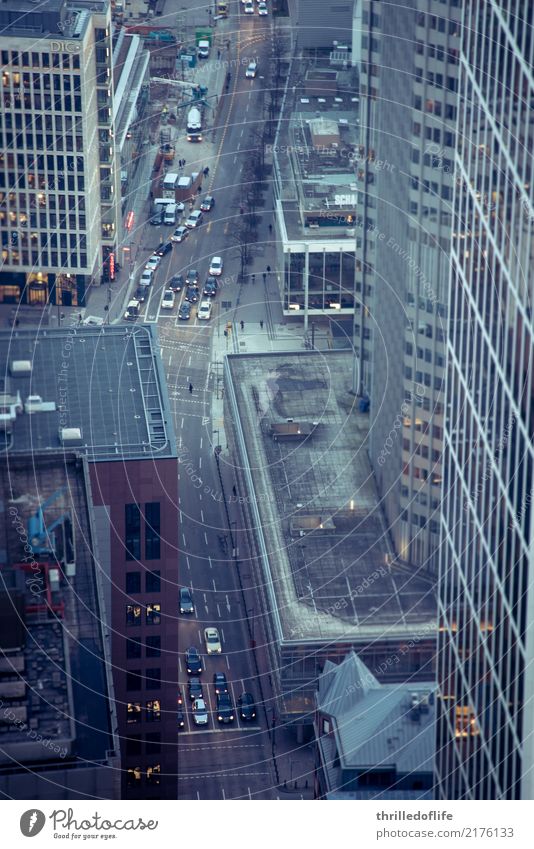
(236, 760)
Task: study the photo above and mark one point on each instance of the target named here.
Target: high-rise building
(59, 180)
(101, 393)
(486, 604)
(408, 92)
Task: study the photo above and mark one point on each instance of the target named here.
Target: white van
(170, 214)
(203, 49)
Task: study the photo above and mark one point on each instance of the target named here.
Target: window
(153, 582)
(134, 680)
(153, 679)
(133, 712)
(152, 531)
(132, 531)
(153, 646)
(153, 710)
(153, 744)
(134, 776)
(153, 774)
(133, 582)
(133, 746)
(153, 614)
(133, 648)
(133, 614)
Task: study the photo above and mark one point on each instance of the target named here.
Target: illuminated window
(153, 710)
(153, 774)
(133, 712)
(133, 614)
(134, 776)
(466, 724)
(153, 614)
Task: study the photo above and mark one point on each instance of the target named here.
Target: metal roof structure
(107, 382)
(374, 726)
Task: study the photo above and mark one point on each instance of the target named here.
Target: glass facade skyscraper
(486, 653)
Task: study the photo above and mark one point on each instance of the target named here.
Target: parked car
(141, 293)
(164, 249)
(176, 283)
(186, 601)
(153, 262)
(204, 311)
(216, 266)
(194, 220)
(184, 313)
(225, 710)
(246, 706)
(193, 661)
(200, 712)
(167, 301)
(212, 640)
(207, 204)
(220, 683)
(180, 234)
(252, 70)
(195, 688)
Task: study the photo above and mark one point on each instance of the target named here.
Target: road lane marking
(202, 516)
(205, 538)
(183, 537)
(211, 564)
(227, 603)
(222, 635)
(218, 610)
(214, 587)
(200, 462)
(201, 448)
(222, 790)
(227, 662)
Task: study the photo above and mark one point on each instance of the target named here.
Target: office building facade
(408, 102)
(486, 651)
(59, 180)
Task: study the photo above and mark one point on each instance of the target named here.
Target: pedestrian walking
(261, 324)
(253, 278)
(264, 276)
(190, 388)
(218, 54)
(234, 490)
(242, 324)
(268, 269)
(270, 229)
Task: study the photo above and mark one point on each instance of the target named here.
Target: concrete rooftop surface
(314, 504)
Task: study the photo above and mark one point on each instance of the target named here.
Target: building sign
(112, 266)
(64, 46)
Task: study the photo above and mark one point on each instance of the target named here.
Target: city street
(235, 760)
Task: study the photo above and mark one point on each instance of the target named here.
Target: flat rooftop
(107, 381)
(54, 697)
(314, 503)
(315, 153)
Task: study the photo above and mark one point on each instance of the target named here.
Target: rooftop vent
(35, 404)
(70, 436)
(20, 367)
